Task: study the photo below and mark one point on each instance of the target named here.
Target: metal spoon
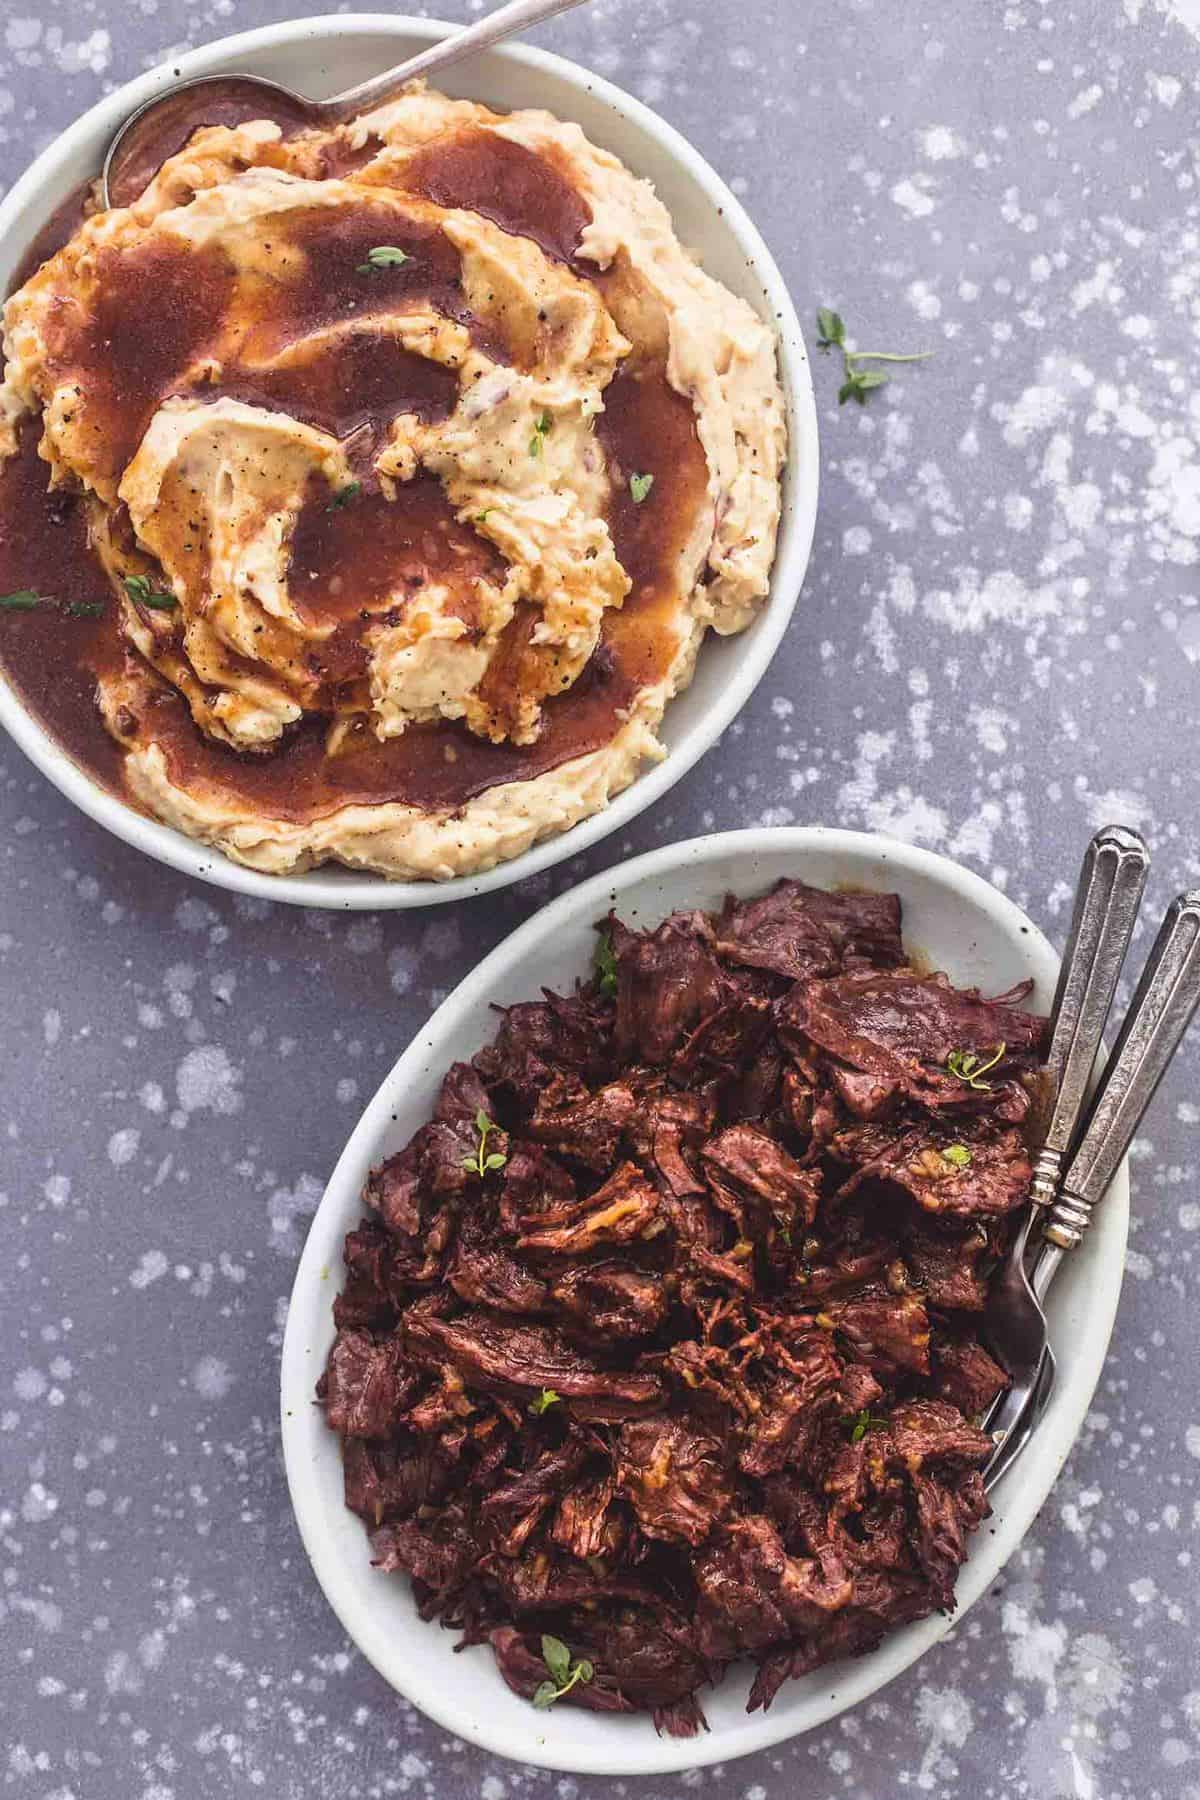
(164, 124)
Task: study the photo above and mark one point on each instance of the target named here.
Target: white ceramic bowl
(958, 923)
(321, 56)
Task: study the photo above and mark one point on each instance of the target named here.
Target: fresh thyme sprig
(26, 600)
(862, 1423)
(859, 382)
(967, 1066)
(482, 1162)
(565, 1672)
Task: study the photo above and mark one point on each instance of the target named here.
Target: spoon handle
(1161, 1010)
(518, 15)
(1107, 899)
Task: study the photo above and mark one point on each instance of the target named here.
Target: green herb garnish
(959, 1155)
(861, 1424)
(344, 496)
(967, 1066)
(606, 964)
(639, 487)
(481, 518)
(859, 382)
(541, 432)
(545, 1400)
(25, 600)
(139, 589)
(383, 256)
(482, 1163)
(565, 1672)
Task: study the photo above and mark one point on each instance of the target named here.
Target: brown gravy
(50, 656)
(353, 384)
(226, 100)
(150, 327)
(518, 189)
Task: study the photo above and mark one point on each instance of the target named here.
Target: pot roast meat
(668, 980)
(799, 931)
(752, 1594)
(685, 1372)
(746, 1166)
(609, 1301)
(903, 1029)
(367, 1385)
(676, 1480)
(966, 1376)
(527, 1360)
(623, 1209)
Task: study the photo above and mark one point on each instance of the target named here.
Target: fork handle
(1162, 1008)
(1107, 898)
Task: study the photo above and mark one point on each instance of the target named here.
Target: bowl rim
(351, 890)
(309, 1326)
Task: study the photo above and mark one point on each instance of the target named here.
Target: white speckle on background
(211, 1378)
(123, 1146)
(912, 197)
(206, 1079)
(152, 1267)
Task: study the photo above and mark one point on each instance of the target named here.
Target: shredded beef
(680, 1364)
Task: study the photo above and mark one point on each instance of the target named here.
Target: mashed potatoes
(418, 457)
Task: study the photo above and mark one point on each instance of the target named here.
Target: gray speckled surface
(997, 648)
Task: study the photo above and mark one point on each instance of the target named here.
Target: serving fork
(1166, 998)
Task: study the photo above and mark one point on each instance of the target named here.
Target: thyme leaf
(482, 1163)
(565, 1672)
(606, 964)
(143, 593)
(344, 496)
(383, 256)
(862, 1423)
(541, 432)
(967, 1066)
(857, 381)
